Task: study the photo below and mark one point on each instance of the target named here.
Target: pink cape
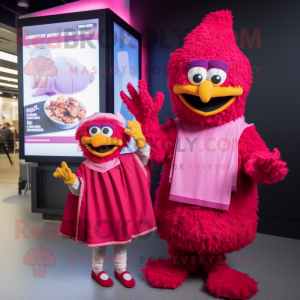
(113, 207)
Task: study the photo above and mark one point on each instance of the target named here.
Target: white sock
(98, 259)
(120, 258)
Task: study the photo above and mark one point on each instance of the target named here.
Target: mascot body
(209, 79)
(109, 201)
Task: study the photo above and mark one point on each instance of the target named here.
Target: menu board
(125, 70)
(60, 85)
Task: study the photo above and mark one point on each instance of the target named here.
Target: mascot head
(101, 136)
(209, 77)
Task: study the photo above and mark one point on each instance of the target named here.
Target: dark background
(7, 17)
(273, 104)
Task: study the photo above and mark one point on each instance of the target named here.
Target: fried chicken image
(65, 111)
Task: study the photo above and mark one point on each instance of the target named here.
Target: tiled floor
(275, 263)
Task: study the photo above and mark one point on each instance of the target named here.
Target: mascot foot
(163, 273)
(229, 283)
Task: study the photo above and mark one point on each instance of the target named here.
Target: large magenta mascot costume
(207, 200)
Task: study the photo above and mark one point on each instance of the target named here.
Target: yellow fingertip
(128, 131)
(64, 165)
(141, 145)
(136, 125)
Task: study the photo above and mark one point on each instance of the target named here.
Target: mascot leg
(225, 282)
(171, 272)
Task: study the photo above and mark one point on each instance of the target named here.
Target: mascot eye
(196, 75)
(216, 76)
(94, 130)
(107, 131)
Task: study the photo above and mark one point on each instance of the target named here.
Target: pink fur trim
(140, 163)
(79, 206)
(143, 233)
(123, 242)
(112, 242)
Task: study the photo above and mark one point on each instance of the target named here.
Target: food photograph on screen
(125, 70)
(61, 84)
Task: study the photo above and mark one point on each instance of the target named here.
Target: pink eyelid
(201, 70)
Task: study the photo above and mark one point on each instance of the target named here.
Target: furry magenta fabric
(209, 79)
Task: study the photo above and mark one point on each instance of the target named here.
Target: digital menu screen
(126, 69)
(60, 85)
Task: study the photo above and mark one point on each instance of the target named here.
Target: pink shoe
(126, 279)
(103, 280)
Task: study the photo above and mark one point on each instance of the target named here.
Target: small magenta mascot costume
(109, 200)
(207, 202)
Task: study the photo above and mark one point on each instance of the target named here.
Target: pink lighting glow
(119, 7)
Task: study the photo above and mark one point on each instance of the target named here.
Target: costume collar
(102, 167)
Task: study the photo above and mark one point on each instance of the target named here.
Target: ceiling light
(8, 57)
(8, 79)
(23, 3)
(10, 71)
(8, 84)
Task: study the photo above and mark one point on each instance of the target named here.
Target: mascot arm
(143, 149)
(135, 131)
(75, 187)
(69, 178)
(144, 154)
(258, 162)
(145, 109)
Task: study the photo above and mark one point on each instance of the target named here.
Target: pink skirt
(113, 207)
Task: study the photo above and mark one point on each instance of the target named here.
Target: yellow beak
(99, 140)
(206, 92)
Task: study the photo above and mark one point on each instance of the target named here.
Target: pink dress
(113, 206)
(205, 163)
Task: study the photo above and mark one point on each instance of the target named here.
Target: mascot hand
(136, 132)
(265, 167)
(65, 174)
(142, 106)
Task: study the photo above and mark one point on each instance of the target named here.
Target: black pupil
(105, 130)
(197, 78)
(216, 79)
(94, 130)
